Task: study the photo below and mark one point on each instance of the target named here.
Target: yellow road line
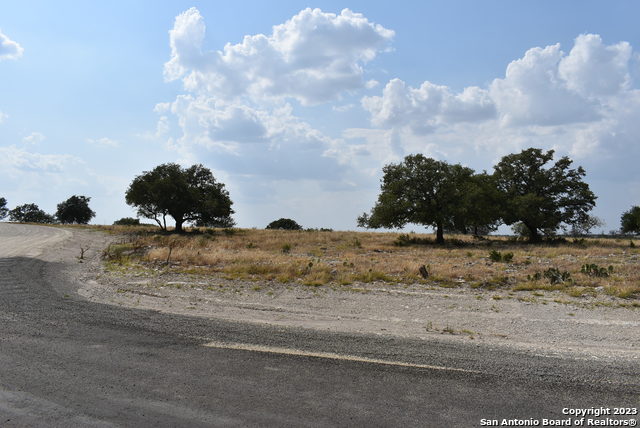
(327, 355)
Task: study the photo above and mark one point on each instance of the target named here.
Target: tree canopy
(543, 197)
(187, 195)
(30, 213)
(420, 190)
(75, 210)
(285, 224)
(477, 211)
(630, 220)
(3, 208)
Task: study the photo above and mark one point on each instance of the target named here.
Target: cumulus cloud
(9, 49)
(238, 113)
(313, 57)
(427, 106)
(546, 92)
(33, 138)
(533, 92)
(593, 69)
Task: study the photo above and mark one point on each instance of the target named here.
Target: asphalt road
(68, 362)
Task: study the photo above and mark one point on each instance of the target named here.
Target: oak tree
(420, 190)
(75, 210)
(30, 213)
(540, 194)
(630, 220)
(187, 195)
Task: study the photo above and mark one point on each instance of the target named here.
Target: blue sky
(302, 108)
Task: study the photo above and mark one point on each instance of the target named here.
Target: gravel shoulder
(550, 324)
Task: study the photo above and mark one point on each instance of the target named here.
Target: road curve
(65, 361)
(19, 240)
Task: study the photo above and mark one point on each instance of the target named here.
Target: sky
(297, 106)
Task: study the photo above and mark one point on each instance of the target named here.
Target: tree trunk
(439, 234)
(179, 225)
(534, 236)
(159, 224)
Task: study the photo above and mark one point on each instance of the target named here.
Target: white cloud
(162, 108)
(9, 49)
(533, 93)
(238, 114)
(575, 102)
(546, 87)
(593, 69)
(428, 106)
(3, 117)
(313, 57)
(103, 142)
(15, 161)
(372, 83)
(251, 141)
(33, 138)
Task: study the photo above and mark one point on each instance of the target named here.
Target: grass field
(578, 267)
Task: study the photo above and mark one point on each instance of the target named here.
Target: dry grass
(317, 258)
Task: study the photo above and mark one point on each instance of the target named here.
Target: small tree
(187, 195)
(285, 224)
(584, 226)
(30, 213)
(542, 198)
(630, 220)
(3, 208)
(75, 210)
(420, 190)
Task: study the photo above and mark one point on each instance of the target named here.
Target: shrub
(593, 269)
(284, 224)
(127, 221)
(554, 275)
(497, 256)
(405, 240)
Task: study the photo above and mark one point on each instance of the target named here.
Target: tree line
(73, 210)
(527, 190)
